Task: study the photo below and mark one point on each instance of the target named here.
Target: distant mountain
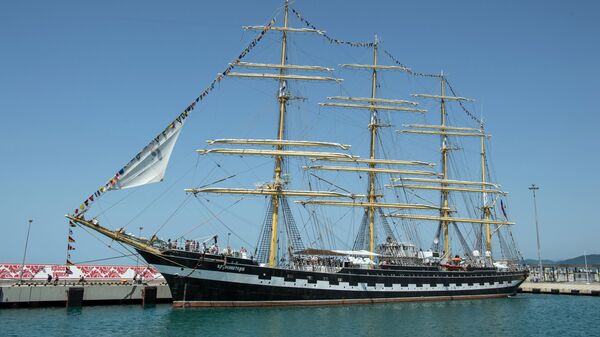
(592, 259)
(534, 262)
(580, 260)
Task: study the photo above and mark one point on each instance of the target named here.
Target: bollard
(74, 297)
(149, 296)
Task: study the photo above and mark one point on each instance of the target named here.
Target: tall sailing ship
(469, 256)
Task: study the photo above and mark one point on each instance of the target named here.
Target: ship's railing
(316, 268)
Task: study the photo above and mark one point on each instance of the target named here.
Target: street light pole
(534, 188)
(587, 271)
(137, 258)
(228, 249)
(25, 252)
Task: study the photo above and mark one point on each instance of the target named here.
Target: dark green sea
(523, 315)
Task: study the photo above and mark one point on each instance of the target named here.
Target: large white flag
(146, 167)
(150, 164)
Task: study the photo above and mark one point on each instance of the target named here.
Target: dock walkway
(564, 288)
(37, 293)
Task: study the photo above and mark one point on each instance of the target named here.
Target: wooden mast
(276, 189)
(373, 104)
(373, 126)
(444, 202)
(485, 207)
(278, 159)
(444, 131)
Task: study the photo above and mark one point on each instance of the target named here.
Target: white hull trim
(249, 279)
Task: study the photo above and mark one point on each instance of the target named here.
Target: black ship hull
(204, 280)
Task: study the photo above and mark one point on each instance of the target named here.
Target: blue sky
(85, 85)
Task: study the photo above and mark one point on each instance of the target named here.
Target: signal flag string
(388, 54)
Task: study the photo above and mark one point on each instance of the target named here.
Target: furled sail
(150, 164)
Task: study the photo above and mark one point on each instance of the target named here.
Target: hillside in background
(534, 262)
(592, 259)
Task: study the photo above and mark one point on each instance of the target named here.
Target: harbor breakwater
(67, 293)
(51, 285)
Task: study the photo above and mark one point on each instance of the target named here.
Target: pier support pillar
(75, 297)
(149, 296)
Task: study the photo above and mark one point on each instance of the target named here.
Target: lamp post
(587, 271)
(137, 258)
(534, 188)
(25, 252)
(228, 249)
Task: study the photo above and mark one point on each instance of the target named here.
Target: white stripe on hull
(240, 278)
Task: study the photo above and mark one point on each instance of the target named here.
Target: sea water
(522, 315)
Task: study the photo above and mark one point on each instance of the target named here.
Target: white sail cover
(150, 164)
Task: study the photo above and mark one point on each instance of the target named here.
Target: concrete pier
(561, 288)
(33, 294)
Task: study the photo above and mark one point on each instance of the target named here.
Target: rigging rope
(104, 243)
(462, 106)
(408, 70)
(187, 198)
(118, 202)
(158, 198)
(463, 242)
(222, 223)
(330, 183)
(329, 38)
(105, 259)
